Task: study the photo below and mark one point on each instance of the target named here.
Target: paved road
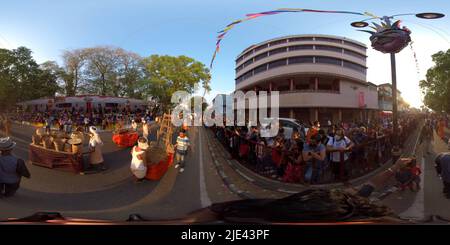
(429, 201)
(113, 193)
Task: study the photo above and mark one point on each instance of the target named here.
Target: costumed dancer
(138, 161)
(95, 145)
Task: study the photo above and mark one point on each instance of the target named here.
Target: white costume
(138, 167)
(96, 143)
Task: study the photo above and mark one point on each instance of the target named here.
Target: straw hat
(74, 141)
(6, 144)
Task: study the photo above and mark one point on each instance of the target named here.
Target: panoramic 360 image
(203, 114)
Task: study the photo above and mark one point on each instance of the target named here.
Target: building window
(277, 63)
(300, 47)
(248, 62)
(261, 47)
(328, 60)
(329, 48)
(354, 54)
(300, 39)
(277, 51)
(239, 68)
(301, 59)
(328, 84)
(355, 45)
(355, 67)
(239, 59)
(303, 85)
(278, 42)
(327, 39)
(259, 69)
(247, 75)
(261, 56)
(283, 88)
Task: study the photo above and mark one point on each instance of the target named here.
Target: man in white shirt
(339, 145)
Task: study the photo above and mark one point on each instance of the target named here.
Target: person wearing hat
(442, 164)
(138, 159)
(95, 145)
(11, 168)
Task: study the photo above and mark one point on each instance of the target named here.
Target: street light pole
(394, 102)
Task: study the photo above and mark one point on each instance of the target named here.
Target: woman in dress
(95, 145)
(138, 161)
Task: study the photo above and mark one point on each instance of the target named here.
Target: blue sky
(179, 27)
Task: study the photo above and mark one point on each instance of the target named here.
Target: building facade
(319, 77)
(385, 98)
(87, 103)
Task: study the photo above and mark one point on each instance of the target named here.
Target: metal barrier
(284, 165)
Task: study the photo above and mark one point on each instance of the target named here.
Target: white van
(290, 125)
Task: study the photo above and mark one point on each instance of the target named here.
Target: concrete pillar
(315, 114)
(291, 84)
(270, 86)
(340, 115)
(291, 113)
(316, 83)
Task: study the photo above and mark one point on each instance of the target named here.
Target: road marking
(245, 176)
(287, 191)
(417, 209)
(204, 199)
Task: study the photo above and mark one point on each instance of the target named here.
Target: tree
(165, 75)
(21, 78)
(74, 61)
(436, 87)
(101, 64)
(130, 69)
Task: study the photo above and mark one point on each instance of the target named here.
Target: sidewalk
(248, 184)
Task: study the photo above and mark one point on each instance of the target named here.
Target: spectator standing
(313, 131)
(442, 164)
(339, 144)
(181, 147)
(314, 154)
(12, 169)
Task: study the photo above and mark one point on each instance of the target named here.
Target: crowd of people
(336, 152)
(68, 120)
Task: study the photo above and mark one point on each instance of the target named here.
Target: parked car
(290, 125)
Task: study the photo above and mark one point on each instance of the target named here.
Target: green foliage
(165, 75)
(436, 87)
(21, 78)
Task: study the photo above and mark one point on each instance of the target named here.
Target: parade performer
(139, 161)
(95, 145)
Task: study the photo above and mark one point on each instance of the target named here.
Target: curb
(219, 169)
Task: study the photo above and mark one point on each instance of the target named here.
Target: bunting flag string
(252, 16)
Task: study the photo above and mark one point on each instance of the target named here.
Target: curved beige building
(320, 77)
